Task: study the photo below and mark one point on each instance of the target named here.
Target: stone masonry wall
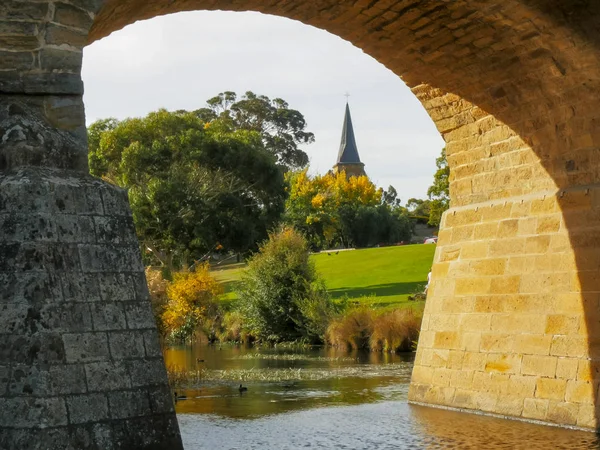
(80, 361)
(512, 319)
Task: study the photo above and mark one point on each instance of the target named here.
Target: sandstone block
(422, 375)
(497, 342)
(573, 346)
(505, 363)
(160, 399)
(441, 377)
(533, 344)
(587, 416)
(562, 324)
(475, 322)
(492, 266)
(566, 368)
(550, 388)
(564, 413)
(446, 340)
(534, 408)
(544, 366)
(509, 405)
(580, 392)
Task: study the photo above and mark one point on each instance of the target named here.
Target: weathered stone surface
(71, 16)
(64, 340)
(21, 412)
(107, 376)
(59, 59)
(87, 408)
(17, 10)
(108, 316)
(84, 347)
(80, 287)
(14, 82)
(16, 60)
(105, 258)
(36, 381)
(59, 35)
(139, 315)
(114, 230)
(127, 345)
(127, 404)
(28, 137)
(116, 287)
(148, 372)
(21, 43)
(31, 287)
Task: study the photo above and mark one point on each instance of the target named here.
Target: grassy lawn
(229, 276)
(387, 275)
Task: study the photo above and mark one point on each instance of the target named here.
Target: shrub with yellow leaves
(191, 299)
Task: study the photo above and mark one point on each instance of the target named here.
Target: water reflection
(281, 381)
(355, 401)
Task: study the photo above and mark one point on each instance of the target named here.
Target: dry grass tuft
(365, 328)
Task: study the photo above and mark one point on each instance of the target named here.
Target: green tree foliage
(281, 129)
(418, 207)
(438, 192)
(367, 226)
(192, 186)
(281, 298)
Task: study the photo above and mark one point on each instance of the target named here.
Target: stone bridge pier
(80, 361)
(512, 321)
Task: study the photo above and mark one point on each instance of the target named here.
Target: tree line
(219, 178)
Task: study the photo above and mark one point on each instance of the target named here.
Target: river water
(328, 399)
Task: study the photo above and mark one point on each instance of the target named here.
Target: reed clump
(363, 327)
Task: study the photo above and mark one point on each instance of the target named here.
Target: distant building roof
(348, 153)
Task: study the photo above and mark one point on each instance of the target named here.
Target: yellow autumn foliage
(189, 297)
(317, 200)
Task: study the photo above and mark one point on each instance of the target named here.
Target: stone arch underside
(512, 321)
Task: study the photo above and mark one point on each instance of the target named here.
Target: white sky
(180, 61)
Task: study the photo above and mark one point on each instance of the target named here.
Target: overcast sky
(180, 61)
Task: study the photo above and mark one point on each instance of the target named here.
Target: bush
(280, 298)
(191, 301)
(365, 328)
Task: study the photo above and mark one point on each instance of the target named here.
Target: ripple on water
(385, 425)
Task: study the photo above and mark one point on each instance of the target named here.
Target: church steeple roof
(348, 153)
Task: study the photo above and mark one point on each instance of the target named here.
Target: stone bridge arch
(511, 324)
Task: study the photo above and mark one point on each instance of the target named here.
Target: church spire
(348, 159)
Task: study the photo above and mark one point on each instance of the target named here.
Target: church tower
(348, 159)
